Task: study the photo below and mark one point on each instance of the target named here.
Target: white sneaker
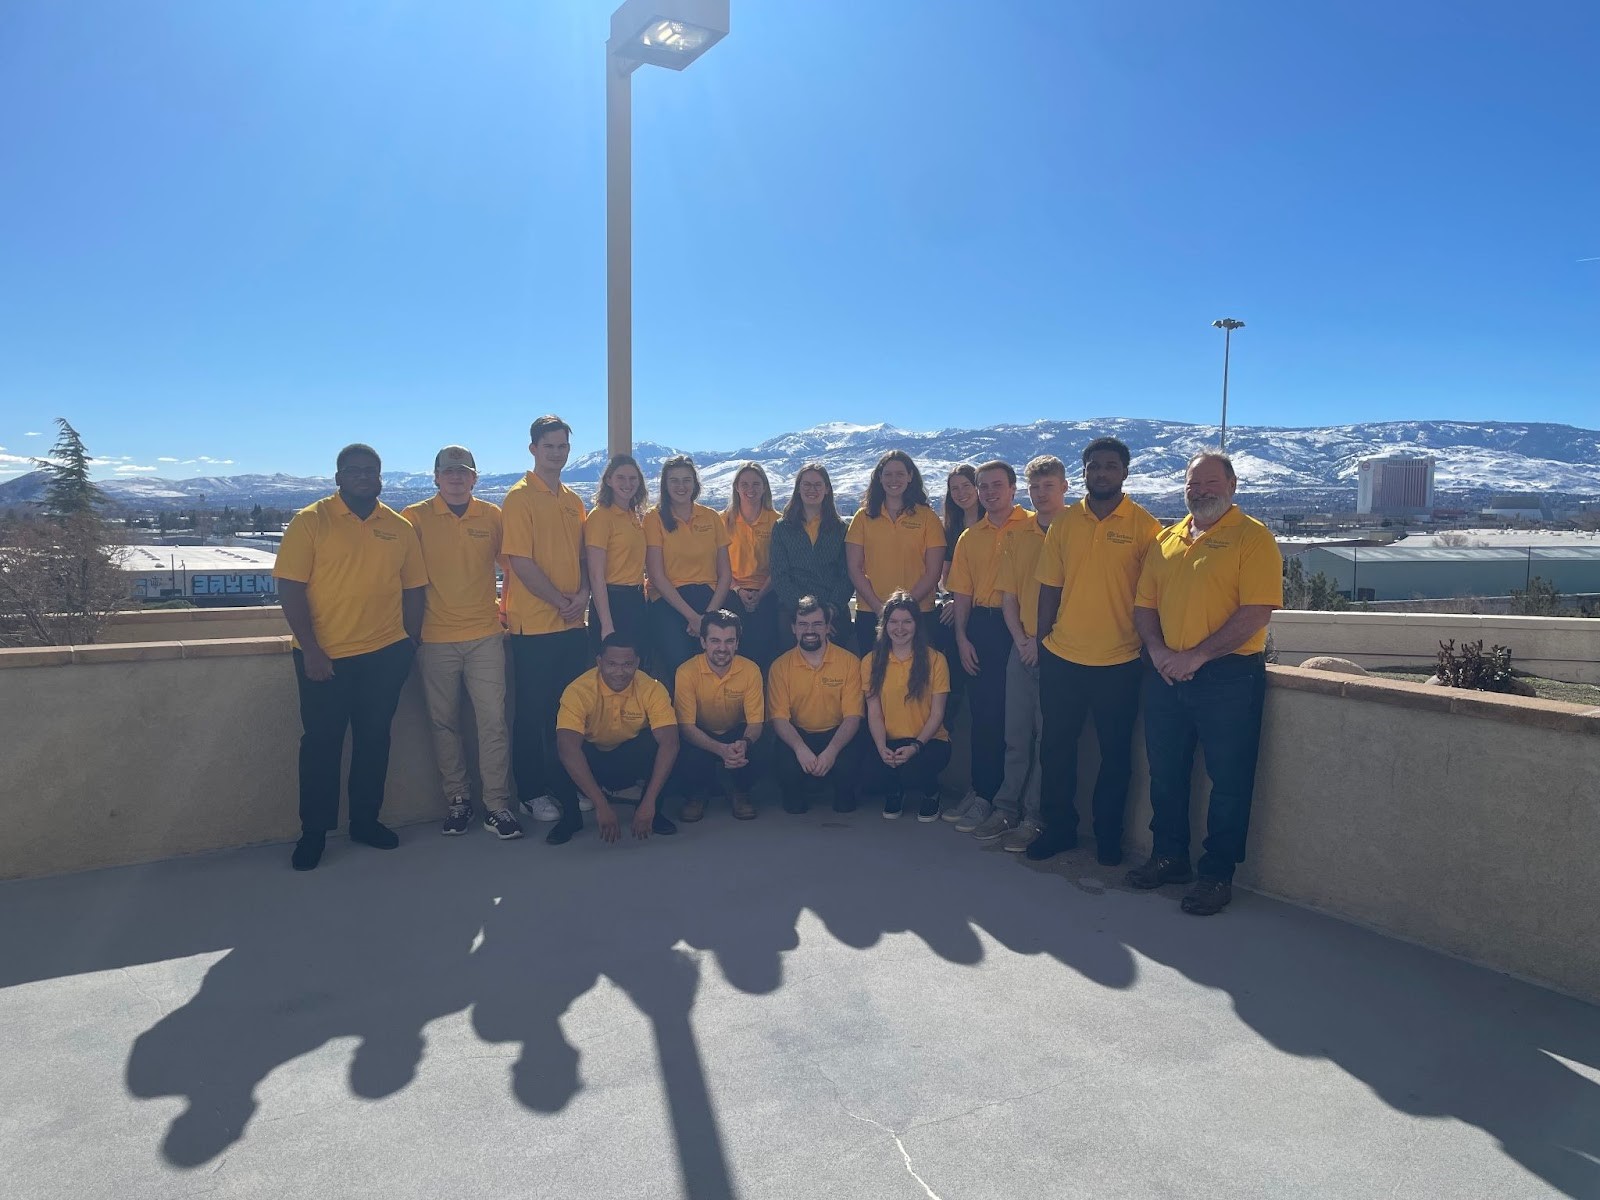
(584, 805)
(541, 808)
(975, 816)
(961, 809)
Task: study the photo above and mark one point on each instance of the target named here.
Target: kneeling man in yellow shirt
(616, 728)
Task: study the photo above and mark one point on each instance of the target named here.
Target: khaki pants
(481, 666)
(1023, 727)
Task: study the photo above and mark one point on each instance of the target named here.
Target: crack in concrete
(967, 1112)
(140, 988)
(838, 1096)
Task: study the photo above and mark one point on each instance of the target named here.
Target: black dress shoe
(660, 824)
(561, 833)
(1048, 845)
(1159, 871)
(308, 851)
(1207, 897)
(376, 835)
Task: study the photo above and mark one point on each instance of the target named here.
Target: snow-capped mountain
(1304, 468)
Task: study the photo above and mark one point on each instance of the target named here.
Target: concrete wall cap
(110, 652)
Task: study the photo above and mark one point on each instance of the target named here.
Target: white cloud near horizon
(165, 459)
(33, 433)
(132, 468)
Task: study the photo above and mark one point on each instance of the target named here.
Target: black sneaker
(928, 810)
(1159, 871)
(503, 825)
(308, 851)
(1048, 845)
(893, 805)
(795, 805)
(1108, 854)
(457, 819)
(844, 804)
(660, 824)
(376, 835)
(1207, 897)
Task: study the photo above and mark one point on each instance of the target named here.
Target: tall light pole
(1227, 325)
(666, 33)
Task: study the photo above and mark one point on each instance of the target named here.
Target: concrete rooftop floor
(812, 1006)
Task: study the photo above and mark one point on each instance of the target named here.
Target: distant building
(207, 575)
(1520, 506)
(1446, 572)
(1396, 485)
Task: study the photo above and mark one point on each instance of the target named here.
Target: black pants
(797, 787)
(1220, 708)
(759, 642)
(670, 642)
(919, 777)
(361, 697)
(986, 630)
(695, 772)
(942, 638)
(867, 632)
(628, 615)
(544, 664)
(1069, 694)
(615, 769)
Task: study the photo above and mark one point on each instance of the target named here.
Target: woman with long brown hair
(750, 518)
(895, 543)
(906, 682)
(686, 558)
(808, 555)
(614, 552)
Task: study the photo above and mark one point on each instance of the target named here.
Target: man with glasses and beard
(1206, 593)
(815, 705)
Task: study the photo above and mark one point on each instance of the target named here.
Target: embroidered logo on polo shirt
(383, 535)
(833, 681)
(1121, 539)
(700, 526)
(477, 533)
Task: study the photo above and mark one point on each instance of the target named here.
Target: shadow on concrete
(375, 946)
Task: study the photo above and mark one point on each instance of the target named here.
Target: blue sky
(235, 236)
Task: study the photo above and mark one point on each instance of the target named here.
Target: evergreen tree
(70, 493)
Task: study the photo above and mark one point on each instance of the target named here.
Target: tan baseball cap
(454, 456)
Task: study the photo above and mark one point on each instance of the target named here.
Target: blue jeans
(1220, 708)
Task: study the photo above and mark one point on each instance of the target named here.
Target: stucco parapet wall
(122, 652)
(1466, 622)
(195, 616)
(1513, 710)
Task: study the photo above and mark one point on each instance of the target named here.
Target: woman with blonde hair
(614, 552)
(686, 558)
(750, 518)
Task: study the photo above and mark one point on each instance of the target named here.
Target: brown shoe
(743, 809)
(693, 810)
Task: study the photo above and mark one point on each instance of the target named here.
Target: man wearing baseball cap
(462, 643)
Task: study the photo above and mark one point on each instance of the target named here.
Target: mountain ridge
(1301, 466)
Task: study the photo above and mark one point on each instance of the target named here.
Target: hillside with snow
(1278, 467)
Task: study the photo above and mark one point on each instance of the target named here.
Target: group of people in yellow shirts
(655, 649)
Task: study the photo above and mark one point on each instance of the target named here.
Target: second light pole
(1227, 325)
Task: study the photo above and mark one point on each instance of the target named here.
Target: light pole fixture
(665, 33)
(1227, 325)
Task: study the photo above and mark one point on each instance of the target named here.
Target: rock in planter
(1326, 662)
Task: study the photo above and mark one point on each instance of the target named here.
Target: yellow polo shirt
(547, 527)
(1019, 560)
(689, 551)
(1197, 581)
(904, 717)
(609, 718)
(620, 533)
(718, 703)
(815, 699)
(750, 550)
(893, 548)
(1096, 565)
(975, 569)
(354, 572)
(460, 554)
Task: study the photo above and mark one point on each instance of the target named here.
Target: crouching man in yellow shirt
(615, 729)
